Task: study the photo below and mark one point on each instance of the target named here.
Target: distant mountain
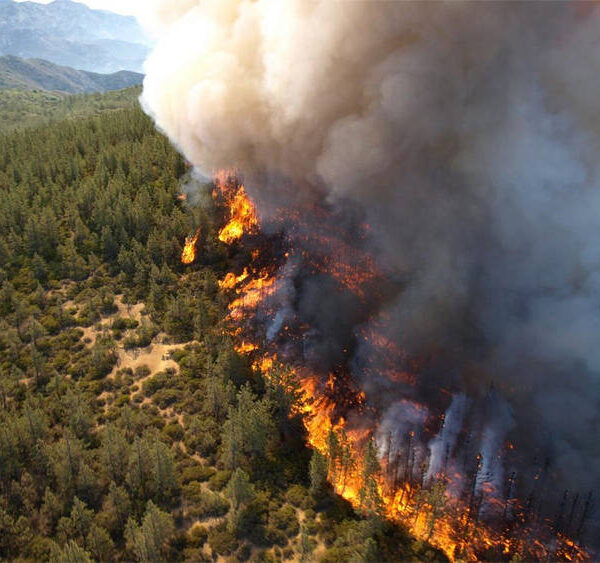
(71, 34)
(31, 74)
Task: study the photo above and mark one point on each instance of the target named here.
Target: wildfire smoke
(431, 169)
(436, 512)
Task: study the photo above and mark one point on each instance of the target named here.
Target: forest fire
(452, 504)
(188, 255)
(424, 239)
(242, 216)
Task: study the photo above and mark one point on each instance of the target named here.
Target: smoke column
(467, 136)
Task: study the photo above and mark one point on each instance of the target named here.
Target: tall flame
(242, 218)
(188, 255)
(432, 513)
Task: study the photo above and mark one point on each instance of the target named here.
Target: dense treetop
(24, 109)
(130, 429)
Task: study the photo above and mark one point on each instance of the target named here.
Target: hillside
(31, 74)
(71, 34)
(23, 109)
(130, 427)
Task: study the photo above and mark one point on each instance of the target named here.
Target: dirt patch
(129, 311)
(155, 356)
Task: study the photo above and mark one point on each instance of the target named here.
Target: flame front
(242, 217)
(188, 255)
(432, 513)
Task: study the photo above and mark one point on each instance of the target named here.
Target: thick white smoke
(466, 133)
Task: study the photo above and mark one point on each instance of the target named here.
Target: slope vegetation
(130, 428)
(31, 74)
(23, 109)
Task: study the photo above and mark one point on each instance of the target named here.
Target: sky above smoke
(467, 135)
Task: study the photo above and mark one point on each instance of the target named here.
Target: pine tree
(436, 498)
(148, 540)
(115, 510)
(70, 553)
(248, 430)
(115, 454)
(139, 473)
(50, 512)
(318, 473)
(240, 492)
(99, 543)
(306, 546)
(369, 497)
(347, 462)
(333, 455)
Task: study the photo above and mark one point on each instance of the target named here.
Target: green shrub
(197, 473)
(274, 536)
(193, 492)
(222, 541)
(204, 503)
(142, 337)
(336, 554)
(194, 554)
(296, 495)
(40, 548)
(286, 520)
(219, 480)
(202, 436)
(130, 342)
(309, 523)
(50, 324)
(166, 397)
(142, 371)
(174, 431)
(122, 400)
(179, 355)
(196, 536)
(121, 323)
(153, 384)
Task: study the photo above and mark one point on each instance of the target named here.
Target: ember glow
(188, 255)
(444, 508)
(426, 179)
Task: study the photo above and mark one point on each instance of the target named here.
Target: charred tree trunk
(558, 523)
(586, 512)
(572, 513)
(473, 488)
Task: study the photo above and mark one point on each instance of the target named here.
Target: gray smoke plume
(467, 136)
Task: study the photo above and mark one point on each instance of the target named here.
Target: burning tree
(452, 505)
(188, 255)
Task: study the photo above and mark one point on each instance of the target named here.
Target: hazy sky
(119, 6)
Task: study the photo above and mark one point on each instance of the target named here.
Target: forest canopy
(130, 428)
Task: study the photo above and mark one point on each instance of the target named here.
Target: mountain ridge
(31, 74)
(71, 34)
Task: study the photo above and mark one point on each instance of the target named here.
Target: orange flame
(433, 516)
(231, 281)
(242, 218)
(245, 347)
(188, 254)
(251, 294)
